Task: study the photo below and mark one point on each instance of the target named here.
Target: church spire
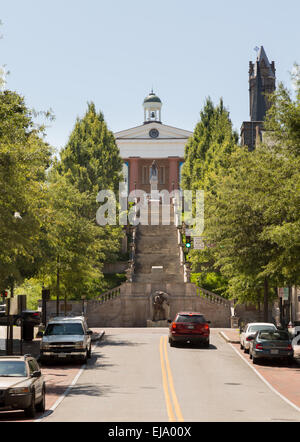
(262, 82)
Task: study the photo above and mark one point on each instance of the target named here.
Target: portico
(153, 140)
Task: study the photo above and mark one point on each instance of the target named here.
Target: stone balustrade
(212, 297)
(110, 294)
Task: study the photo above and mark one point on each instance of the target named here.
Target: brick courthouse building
(153, 140)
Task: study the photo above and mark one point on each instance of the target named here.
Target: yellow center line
(171, 384)
(170, 411)
(168, 384)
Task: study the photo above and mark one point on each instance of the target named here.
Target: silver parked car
(250, 330)
(22, 385)
(296, 346)
(66, 338)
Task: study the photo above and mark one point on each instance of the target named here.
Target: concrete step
(160, 248)
(152, 278)
(166, 268)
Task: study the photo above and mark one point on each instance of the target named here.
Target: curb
(230, 341)
(98, 336)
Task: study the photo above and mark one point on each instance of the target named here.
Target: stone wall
(133, 306)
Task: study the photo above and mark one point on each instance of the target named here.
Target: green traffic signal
(188, 242)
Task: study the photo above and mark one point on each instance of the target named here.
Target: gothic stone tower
(262, 82)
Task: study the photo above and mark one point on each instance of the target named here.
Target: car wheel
(18, 322)
(241, 346)
(41, 405)
(31, 410)
(85, 359)
(254, 360)
(206, 344)
(89, 353)
(172, 343)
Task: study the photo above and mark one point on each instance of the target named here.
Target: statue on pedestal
(153, 172)
(160, 306)
(153, 178)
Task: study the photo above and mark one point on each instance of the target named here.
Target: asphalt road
(134, 376)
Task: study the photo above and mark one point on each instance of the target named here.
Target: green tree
(24, 158)
(78, 247)
(210, 146)
(207, 154)
(283, 119)
(75, 251)
(91, 156)
(249, 207)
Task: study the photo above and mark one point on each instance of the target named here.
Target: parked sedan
(27, 316)
(22, 385)
(250, 330)
(189, 327)
(267, 344)
(2, 310)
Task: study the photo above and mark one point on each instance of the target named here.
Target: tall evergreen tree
(209, 147)
(90, 162)
(91, 155)
(207, 154)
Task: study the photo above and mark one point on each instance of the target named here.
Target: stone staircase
(157, 264)
(157, 257)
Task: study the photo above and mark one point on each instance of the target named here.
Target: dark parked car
(268, 344)
(28, 316)
(22, 385)
(2, 310)
(189, 327)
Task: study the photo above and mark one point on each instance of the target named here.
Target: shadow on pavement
(293, 365)
(106, 341)
(196, 346)
(90, 390)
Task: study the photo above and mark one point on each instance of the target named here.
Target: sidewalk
(59, 377)
(284, 379)
(231, 335)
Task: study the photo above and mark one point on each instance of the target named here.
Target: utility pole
(57, 286)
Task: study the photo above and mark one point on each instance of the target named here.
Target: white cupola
(152, 108)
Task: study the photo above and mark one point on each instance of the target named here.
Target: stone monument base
(162, 323)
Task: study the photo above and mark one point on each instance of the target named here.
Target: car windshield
(64, 329)
(198, 319)
(258, 327)
(274, 336)
(12, 369)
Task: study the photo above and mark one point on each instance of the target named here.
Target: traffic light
(188, 242)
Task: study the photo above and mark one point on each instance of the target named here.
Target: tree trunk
(266, 300)
(12, 288)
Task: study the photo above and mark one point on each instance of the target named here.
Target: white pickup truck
(66, 338)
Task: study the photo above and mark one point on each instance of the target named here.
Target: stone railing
(212, 297)
(132, 252)
(110, 294)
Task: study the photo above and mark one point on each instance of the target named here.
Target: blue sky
(62, 54)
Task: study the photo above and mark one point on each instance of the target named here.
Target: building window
(162, 175)
(145, 175)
